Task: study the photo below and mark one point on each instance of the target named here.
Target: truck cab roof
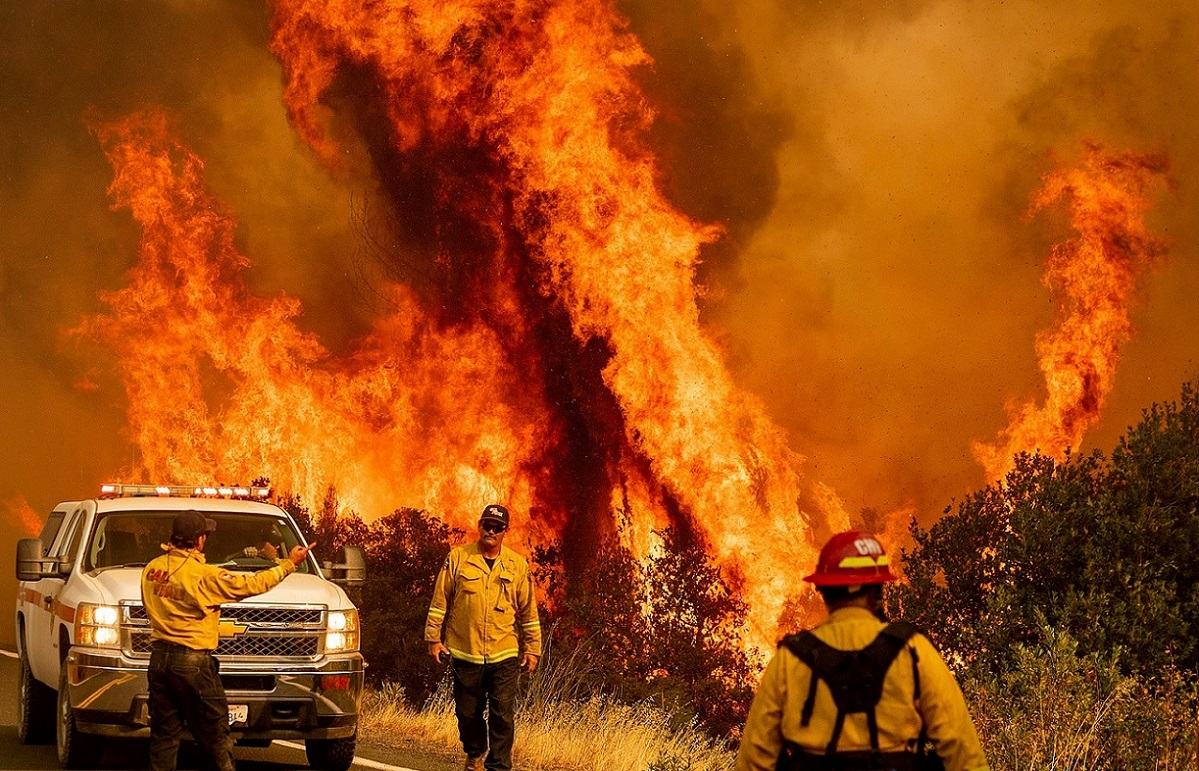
(179, 503)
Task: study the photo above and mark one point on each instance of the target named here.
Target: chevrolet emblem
(231, 628)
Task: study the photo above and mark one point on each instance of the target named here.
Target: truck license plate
(238, 713)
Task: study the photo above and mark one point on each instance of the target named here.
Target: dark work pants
(492, 686)
(186, 689)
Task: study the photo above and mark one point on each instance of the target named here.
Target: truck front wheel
(75, 748)
(35, 707)
(330, 754)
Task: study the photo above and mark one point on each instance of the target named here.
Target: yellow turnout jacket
(487, 615)
(775, 715)
(183, 595)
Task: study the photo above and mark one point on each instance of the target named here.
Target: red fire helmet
(852, 558)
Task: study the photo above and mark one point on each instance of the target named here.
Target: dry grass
(602, 734)
(1064, 711)
(1056, 710)
(593, 734)
(559, 726)
(388, 719)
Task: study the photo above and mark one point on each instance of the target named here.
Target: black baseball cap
(191, 524)
(495, 513)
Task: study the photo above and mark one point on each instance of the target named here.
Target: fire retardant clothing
(182, 595)
(487, 614)
(185, 689)
(775, 716)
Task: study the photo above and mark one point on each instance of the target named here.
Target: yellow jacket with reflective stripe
(776, 711)
(487, 615)
(183, 595)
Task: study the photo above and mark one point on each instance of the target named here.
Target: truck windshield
(241, 541)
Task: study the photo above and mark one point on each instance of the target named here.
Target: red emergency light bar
(181, 491)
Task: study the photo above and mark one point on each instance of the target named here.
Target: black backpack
(855, 678)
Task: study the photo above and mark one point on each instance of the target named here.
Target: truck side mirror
(350, 570)
(30, 563)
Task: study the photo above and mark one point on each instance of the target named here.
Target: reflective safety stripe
(531, 625)
(863, 562)
(503, 655)
(494, 658)
(464, 656)
(435, 613)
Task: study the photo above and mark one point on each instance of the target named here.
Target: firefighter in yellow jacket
(182, 595)
(483, 618)
(856, 693)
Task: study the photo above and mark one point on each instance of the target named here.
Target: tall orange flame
(1093, 277)
(556, 361)
(222, 385)
(539, 97)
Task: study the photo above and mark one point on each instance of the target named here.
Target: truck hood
(123, 584)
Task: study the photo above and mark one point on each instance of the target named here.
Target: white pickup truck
(289, 658)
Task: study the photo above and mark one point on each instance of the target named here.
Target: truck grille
(270, 631)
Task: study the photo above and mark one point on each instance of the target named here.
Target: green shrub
(1059, 709)
(1102, 548)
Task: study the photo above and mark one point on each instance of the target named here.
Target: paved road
(122, 755)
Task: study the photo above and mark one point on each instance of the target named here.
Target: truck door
(37, 607)
(66, 547)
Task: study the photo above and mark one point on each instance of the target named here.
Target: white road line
(364, 762)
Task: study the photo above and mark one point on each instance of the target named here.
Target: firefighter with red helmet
(856, 693)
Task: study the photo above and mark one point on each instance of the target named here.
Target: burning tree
(548, 354)
(543, 344)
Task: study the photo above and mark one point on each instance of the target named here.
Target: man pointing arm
(182, 595)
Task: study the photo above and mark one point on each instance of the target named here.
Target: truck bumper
(316, 700)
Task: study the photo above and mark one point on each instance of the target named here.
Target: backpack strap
(805, 646)
(855, 678)
(836, 737)
(922, 740)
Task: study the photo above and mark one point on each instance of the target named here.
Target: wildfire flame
(556, 362)
(223, 385)
(1094, 278)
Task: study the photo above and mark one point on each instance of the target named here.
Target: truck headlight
(97, 626)
(342, 631)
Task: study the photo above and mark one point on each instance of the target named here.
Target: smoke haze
(878, 285)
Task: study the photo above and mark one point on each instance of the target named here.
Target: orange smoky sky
(877, 285)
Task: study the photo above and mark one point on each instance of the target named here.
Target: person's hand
(528, 662)
(438, 651)
(300, 553)
(268, 550)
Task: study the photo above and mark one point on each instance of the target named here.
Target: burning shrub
(665, 629)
